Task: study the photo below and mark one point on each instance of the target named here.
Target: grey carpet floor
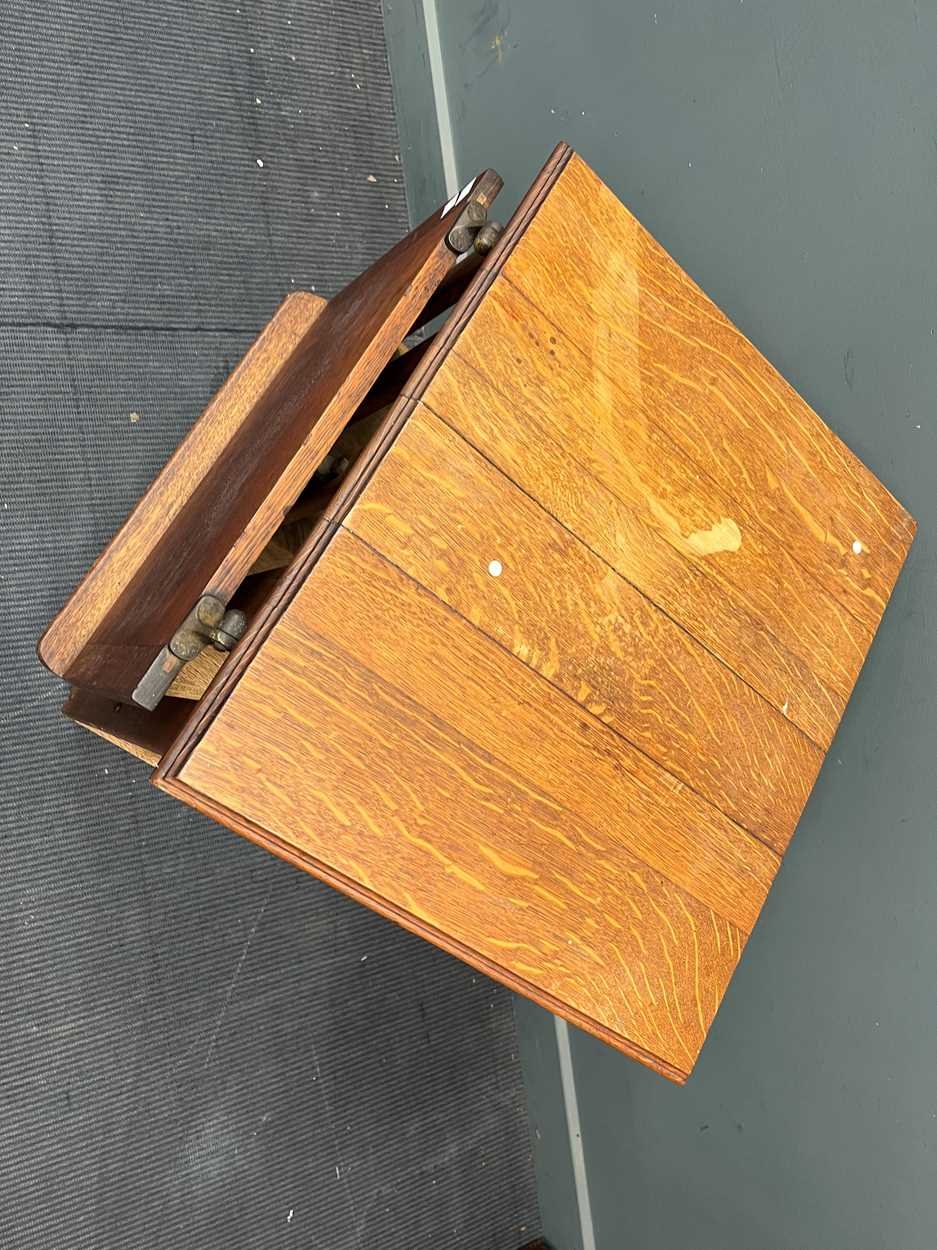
(199, 1046)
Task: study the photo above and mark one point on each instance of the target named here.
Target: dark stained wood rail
(213, 508)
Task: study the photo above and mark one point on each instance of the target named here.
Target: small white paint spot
(260, 163)
(494, 568)
(250, 49)
(289, 1218)
(371, 178)
(257, 99)
(786, 706)
(338, 1175)
(857, 548)
(363, 958)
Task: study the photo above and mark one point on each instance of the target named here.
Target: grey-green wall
(786, 154)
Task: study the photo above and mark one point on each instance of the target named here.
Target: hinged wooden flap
(213, 507)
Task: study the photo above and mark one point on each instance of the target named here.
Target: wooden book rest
(541, 629)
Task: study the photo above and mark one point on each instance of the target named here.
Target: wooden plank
(213, 508)
(140, 753)
(613, 440)
(195, 678)
(263, 610)
(177, 483)
(692, 373)
(147, 735)
(433, 656)
(438, 511)
(324, 871)
(450, 290)
(456, 839)
(530, 448)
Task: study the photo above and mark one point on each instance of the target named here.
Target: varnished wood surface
(294, 394)
(531, 451)
(147, 735)
(261, 621)
(687, 372)
(196, 676)
(327, 872)
(441, 513)
(131, 547)
(577, 774)
(132, 748)
(440, 660)
(549, 420)
(459, 838)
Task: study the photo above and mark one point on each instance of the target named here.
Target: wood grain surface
(147, 735)
(196, 676)
(437, 658)
(689, 372)
(441, 513)
(349, 769)
(171, 491)
(545, 383)
(215, 505)
(552, 676)
(529, 448)
(132, 748)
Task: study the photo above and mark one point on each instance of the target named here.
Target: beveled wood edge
(130, 727)
(62, 653)
(130, 748)
(392, 911)
(489, 269)
(361, 472)
(57, 654)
